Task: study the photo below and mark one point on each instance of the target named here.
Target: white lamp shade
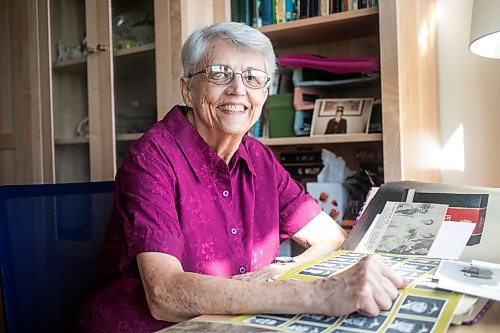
(485, 28)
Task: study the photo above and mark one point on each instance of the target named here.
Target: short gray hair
(241, 35)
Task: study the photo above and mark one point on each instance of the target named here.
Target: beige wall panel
(470, 102)
(7, 166)
(6, 111)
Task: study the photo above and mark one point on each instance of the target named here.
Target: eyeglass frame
(204, 71)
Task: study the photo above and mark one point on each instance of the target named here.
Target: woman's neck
(225, 147)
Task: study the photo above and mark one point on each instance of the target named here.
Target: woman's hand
(368, 288)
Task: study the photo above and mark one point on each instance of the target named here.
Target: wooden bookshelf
(321, 139)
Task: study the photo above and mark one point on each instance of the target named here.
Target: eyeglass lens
(222, 74)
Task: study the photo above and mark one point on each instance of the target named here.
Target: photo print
(422, 306)
(341, 116)
(317, 318)
(266, 321)
(362, 322)
(305, 327)
(406, 325)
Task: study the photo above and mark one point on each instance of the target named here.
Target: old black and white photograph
(317, 318)
(267, 321)
(341, 116)
(422, 306)
(412, 228)
(304, 327)
(321, 272)
(406, 325)
(362, 322)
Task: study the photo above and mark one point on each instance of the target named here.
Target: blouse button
(242, 270)
(234, 231)
(225, 193)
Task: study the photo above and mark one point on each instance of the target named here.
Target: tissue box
(331, 197)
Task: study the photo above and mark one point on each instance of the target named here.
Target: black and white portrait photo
(422, 306)
(406, 325)
(341, 116)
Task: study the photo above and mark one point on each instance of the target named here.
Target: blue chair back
(49, 237)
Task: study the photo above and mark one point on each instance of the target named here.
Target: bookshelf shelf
(128, 136)
(344, 25)
(71, 141)
(322, 139)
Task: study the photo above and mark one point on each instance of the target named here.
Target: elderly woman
(200, 209)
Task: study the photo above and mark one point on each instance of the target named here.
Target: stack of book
(258, 13)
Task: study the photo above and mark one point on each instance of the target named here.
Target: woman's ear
(186, 92)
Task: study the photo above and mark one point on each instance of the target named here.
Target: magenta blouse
(175, 195)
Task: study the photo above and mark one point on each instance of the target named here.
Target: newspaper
(416, 229)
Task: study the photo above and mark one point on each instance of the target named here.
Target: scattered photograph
(311, 271)
(422, 306)
(341, 116)
(423, 261)
(411, 227)
(316, 318)
(361, 322)
(357, 255)
(267, 321)
(349, 260)
(410, 274)
(406, 325)
(332, 265)
(303, 327)
(427, 284)
(417, 267)
(476, 278)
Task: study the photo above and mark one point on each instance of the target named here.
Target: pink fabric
(332, 65)
(175, 195)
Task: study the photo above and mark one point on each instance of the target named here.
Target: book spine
(257, 13)
(301, 157)
(235, 11)
(315, 8)
(304, 7)
(475, 238)
(288, 10)
(279, 9)
(266, 7)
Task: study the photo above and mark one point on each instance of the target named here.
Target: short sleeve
(147, 200)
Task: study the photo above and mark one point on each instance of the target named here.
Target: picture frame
(353, 119)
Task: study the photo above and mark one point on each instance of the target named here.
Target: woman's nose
(236, 86)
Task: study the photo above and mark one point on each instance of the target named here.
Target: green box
(280, 115)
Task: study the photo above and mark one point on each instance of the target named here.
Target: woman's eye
(252, 78)
(218, 75)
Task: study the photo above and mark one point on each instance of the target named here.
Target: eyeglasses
(222, 74)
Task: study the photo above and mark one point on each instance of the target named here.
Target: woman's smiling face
(229, 109)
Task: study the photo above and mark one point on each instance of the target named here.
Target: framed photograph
(341, 116)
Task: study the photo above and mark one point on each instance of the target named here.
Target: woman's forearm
(187, 295)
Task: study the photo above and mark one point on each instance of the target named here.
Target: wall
(469, 102)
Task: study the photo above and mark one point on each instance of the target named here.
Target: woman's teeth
(232, 108)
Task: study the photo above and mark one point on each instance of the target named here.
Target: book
(463, 207)
(266, 7)
(472, 198)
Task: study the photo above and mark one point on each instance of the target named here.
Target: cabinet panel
(69, 90)
(134, 70)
